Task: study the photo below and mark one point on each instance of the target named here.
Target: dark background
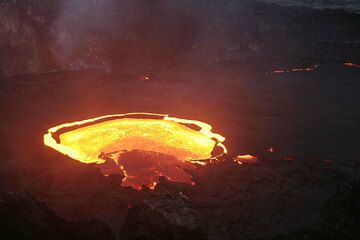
(213, 61)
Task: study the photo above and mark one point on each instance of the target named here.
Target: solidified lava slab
(141, 146)
(144, 168)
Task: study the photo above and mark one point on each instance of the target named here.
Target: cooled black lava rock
(340, 219)
(268, 198)
(163, 216)
(23, 217)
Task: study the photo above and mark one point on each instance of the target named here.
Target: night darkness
(191, 119)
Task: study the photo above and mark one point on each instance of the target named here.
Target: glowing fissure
(141, 148)
(351, 65)
(310, 68)
(295, 69)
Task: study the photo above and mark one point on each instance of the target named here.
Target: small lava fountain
(140, 146)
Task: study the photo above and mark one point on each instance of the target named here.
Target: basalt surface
(228, 201)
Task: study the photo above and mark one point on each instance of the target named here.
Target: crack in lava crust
(142, 149)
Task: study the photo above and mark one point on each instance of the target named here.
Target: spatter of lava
(140, 146)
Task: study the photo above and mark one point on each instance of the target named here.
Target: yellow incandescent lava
(157, 136)
(167, 135)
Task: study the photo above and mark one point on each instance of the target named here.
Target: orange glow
(245, 158)
(120, 139)
(271, 149)
(144, 78)
(350, 64)
(311, 68)
(153, 185)
(295, 69)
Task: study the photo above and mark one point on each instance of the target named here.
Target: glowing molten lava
(141, 146)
